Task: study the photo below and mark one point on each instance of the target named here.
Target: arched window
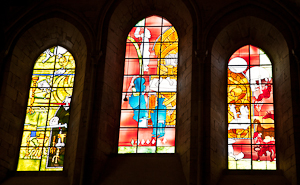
(47, 115)
(251, 135)
(148, 108)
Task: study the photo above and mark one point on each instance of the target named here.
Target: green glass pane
(165, 149)
(125, 149)
(146, 149)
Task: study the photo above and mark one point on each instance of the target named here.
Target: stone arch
(17, 76)
(258, 32)
(121, 18)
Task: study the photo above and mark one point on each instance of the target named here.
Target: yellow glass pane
(65, 61)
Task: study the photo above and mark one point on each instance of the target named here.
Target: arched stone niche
(111, 68)
(260, 33)
(15, 89)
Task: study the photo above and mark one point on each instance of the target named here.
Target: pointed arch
(48, 111)
(148, 108)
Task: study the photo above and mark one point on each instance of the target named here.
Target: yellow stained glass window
(48, 111)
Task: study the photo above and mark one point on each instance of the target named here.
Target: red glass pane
(263, 112)
(254, 58)
(166, 23)
(168, 139)
(131, 51)
(146, 137)
(152, 67)
(127, 119)
(151, 34)
(132, 67)
(244, 50)
(153, 21)
(253, 50)
(128, 137)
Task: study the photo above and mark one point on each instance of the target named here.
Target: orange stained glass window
(48, 110)
(251, 125)
(148, 107)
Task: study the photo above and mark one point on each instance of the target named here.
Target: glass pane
(55, 159)
(132, 66)
(127, 119)
(262, 93)
(64, 60)
(35, 118)
(166, 23)
(264, 156)
(238, 94)
(166, 149)
(125, 149)
(239, 156)
(146, 149)
(238, 113)
(132, 49)
(29, 159)
(168, 139)
(263, 113)
(128, 137)
(239, 130)
(153, 21)
(46, 59)
(146, 136)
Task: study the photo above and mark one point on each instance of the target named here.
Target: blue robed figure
(138, 103)
(158, 118)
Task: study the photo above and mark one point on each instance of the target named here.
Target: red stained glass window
(251, 125)
(148, 107)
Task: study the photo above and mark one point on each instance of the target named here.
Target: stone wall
(95, 33)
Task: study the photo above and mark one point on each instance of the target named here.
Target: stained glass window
(148, 107)
(251, 135)
(47, 116)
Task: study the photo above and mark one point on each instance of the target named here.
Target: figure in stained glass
(47, 116)
(158, 118)
(144, 48)
(263, 146)
(138, 103)
(251, 137)
(148, 119)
